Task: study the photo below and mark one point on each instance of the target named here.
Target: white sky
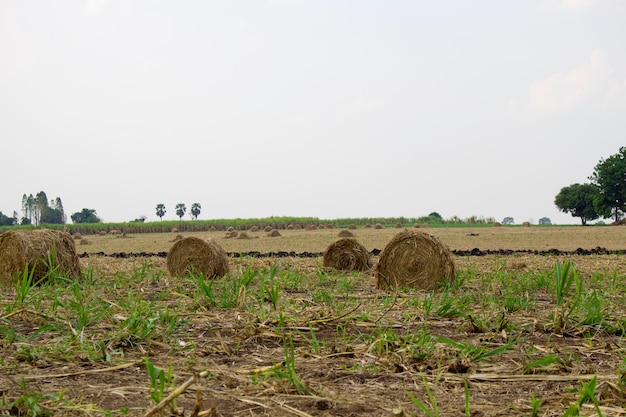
(323, 108)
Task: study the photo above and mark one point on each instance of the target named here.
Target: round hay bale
(414, 259)
(398, 226)
(177, 238)
(231, 234)
(198, 256)
(321, 227)
(102, 233)
(85, 242)
(425, 225)
(352, 226)
(310, 227)
(297, 226)
(526, 224)
(212, 229)
(243, 235)
(497, 224)
(289, 227)
(345, 233)
(329, 226)
(416, 225)
(368, 225)
(378, 226)
(230, 229)
(347, 255)
(268, 229)
(77, 236)
(274, 233)
(19, 248)
(115, 232)
(174, 230)
(254, 229)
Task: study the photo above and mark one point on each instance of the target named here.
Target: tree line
(604, 196)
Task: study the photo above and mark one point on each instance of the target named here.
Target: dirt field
(284, 336)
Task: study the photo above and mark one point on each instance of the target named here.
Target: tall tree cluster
(37, 210)
(604, 196)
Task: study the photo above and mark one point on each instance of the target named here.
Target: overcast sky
(309, 108)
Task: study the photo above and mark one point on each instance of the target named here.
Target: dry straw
(19, 248)
(378, 226)
(346, 233)
(347, 255)
(274, 233)
(198, 256)
(414, 259)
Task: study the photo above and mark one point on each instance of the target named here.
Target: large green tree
(610, 177)
(8, 221)
(579, 201)
(37, 210)
(85, 216)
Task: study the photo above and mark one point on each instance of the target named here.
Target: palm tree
(195, 210)
(180, 210)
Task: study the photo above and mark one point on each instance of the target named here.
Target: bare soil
(356, 350)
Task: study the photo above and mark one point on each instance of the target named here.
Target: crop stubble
(365, 362)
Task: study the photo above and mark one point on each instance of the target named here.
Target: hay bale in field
(268, 229)
(310, 227)
(115, 232)
(497, 224)
(425, 225)
(416, 225)
(526, 224)
(378, 226)
(329, 226)
(177, 238)
(289, 227)
(19, 248)
(352, 226)
(414, 259)
(85, 242)
(274, 233)
(231, 234)
(102, 233)
(347, 255)
(212, 229)
(254, 229)
(398, 226)
(321, 227)
(345, 233)
(230, 229)
(77, 236)
(244, 235)
(198, 256)
(297, 226)
(174, 230)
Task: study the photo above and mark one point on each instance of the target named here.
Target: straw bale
(244, 235)
(102, 233)
(368, 225)
(231, 234)
(297, 226)
(230, 229)
(378, 226)
(269, 229)
(352, 226)
(329, 226)
(310, 227)
(416, 225)
(19, 248)
(526, 224)
(346, 233)
(497, 224)
(414, 259)
(199, 256)
(85, 242)
(347, 255)
(254, 229)
(398, 226)
(274, 233)
(77, 236)
(177, 238)
(175, 230)
(115, 232)
(212, 229)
